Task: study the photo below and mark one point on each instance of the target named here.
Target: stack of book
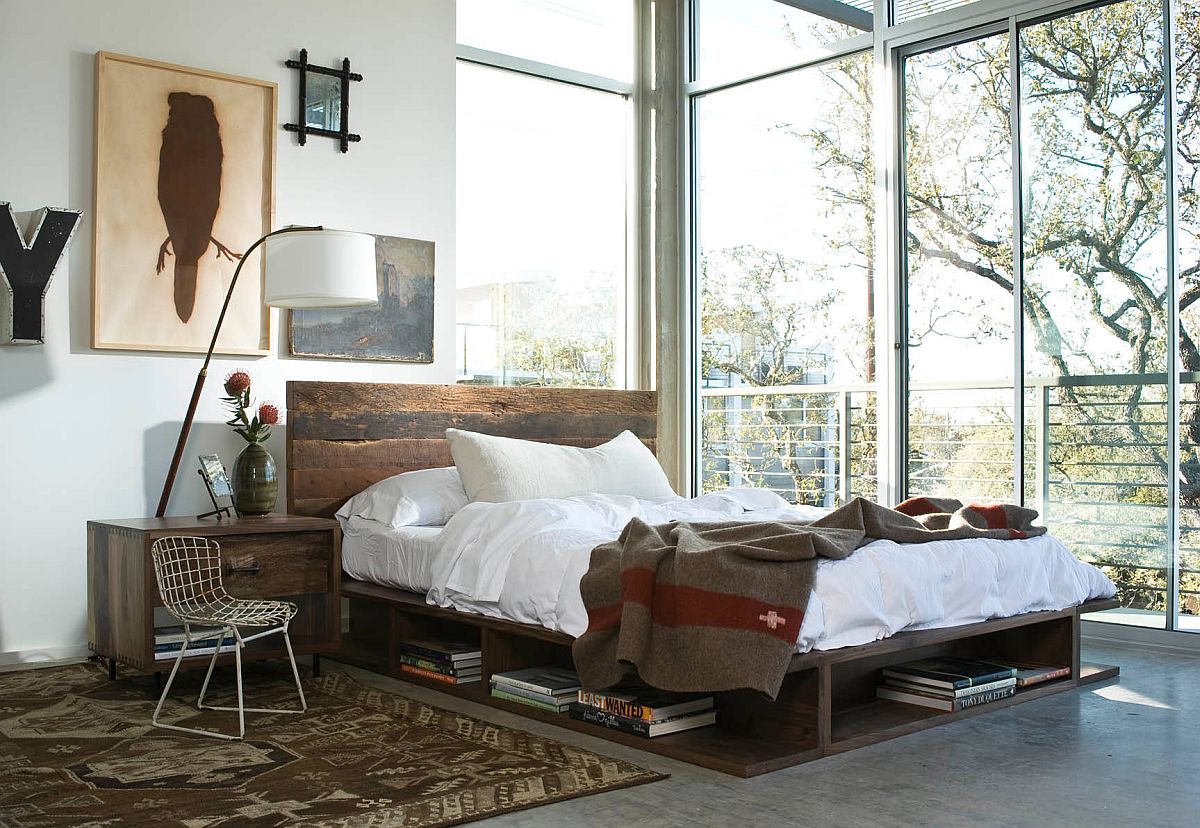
(644, 711)
(546, 688)
(168, 641)
(948, 683)
(446, 661)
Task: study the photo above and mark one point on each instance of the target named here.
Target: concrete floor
(1122, 754)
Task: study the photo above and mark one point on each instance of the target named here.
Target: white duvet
(523, 561)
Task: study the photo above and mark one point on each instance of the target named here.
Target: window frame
(637, 332)
(890, 44)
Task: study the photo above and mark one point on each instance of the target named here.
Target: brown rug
(76, 749)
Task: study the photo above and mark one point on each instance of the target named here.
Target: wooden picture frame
(399, 328)
(179, 151)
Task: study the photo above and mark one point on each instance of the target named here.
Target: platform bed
(827, 705)
(344, 436)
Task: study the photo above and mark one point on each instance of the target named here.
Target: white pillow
(500, 469)
(428, 497)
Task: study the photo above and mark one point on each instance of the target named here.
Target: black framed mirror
(323, 101)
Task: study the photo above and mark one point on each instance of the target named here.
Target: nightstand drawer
(274, 565)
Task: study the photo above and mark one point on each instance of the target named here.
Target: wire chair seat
(190, 582)
(244, 612)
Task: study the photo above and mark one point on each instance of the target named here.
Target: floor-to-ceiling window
(544, 193)
(785, 251)
(1029, 330)
(1097, 301)
(958, 282)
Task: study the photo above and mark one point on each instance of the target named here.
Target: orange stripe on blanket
(682, 606)
(916, 506)
(995, 516)
(603, 618)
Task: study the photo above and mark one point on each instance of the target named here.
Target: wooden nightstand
(288, 557)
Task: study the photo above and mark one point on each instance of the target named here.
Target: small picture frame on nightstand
(216, 480)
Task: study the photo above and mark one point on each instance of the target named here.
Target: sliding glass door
(959, 283)
(785, 248)
(1090, 261)
(1097, 301)
(1039, 197)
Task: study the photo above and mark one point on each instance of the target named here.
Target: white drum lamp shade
(306, 267)
(320, 269)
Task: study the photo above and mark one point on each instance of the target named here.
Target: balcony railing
(1095, 460)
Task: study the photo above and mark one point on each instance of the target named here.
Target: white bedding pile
(523, 561)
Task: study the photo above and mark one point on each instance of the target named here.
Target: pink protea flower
(268, 414)
(236, 383)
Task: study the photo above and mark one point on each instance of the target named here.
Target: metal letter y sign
(26, 268)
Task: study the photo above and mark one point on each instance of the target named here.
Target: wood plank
(321, 507)
(911, 639)
(882, 719)
(342, 437)
(408, 454)
(366, 397)
(432, 425)
(1091, 672)
(211, 527)
(414, 602)
(709, 747)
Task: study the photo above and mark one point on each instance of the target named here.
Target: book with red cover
(442, 677)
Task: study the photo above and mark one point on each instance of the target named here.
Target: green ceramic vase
(255, 486)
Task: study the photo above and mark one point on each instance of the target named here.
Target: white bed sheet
(402, 558)
(523, 561)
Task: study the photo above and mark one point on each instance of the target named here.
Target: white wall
(87, 434)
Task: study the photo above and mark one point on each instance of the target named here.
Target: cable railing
(1095, 447)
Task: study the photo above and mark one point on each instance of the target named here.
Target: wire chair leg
(237, 657)
(166, 690)
(212, 663)
(287, 640)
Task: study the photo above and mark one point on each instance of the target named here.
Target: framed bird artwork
(185, 162)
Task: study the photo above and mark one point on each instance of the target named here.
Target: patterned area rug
(76, 749)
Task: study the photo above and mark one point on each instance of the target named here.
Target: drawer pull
(252, 567)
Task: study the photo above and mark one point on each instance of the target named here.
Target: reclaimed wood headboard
(344, 436)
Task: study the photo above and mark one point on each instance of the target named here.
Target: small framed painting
(397, 329)
(185, 162)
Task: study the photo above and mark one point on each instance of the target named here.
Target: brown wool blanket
(707, 607)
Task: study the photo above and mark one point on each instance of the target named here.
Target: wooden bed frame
(342, 437)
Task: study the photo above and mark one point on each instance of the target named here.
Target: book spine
(203, 651)
(920, 699)
(618, 707)
(984, 698)
(945, 692)
(437, 667)
(208, 643)
(431, 674)
(1061, 672)
(920, 677)
(530, 694)
(434, 655)
(599, 717)
(540, 705)
(500, 679)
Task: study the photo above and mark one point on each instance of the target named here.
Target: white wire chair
(188, 570)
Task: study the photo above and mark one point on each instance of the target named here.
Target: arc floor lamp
(306, 267)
